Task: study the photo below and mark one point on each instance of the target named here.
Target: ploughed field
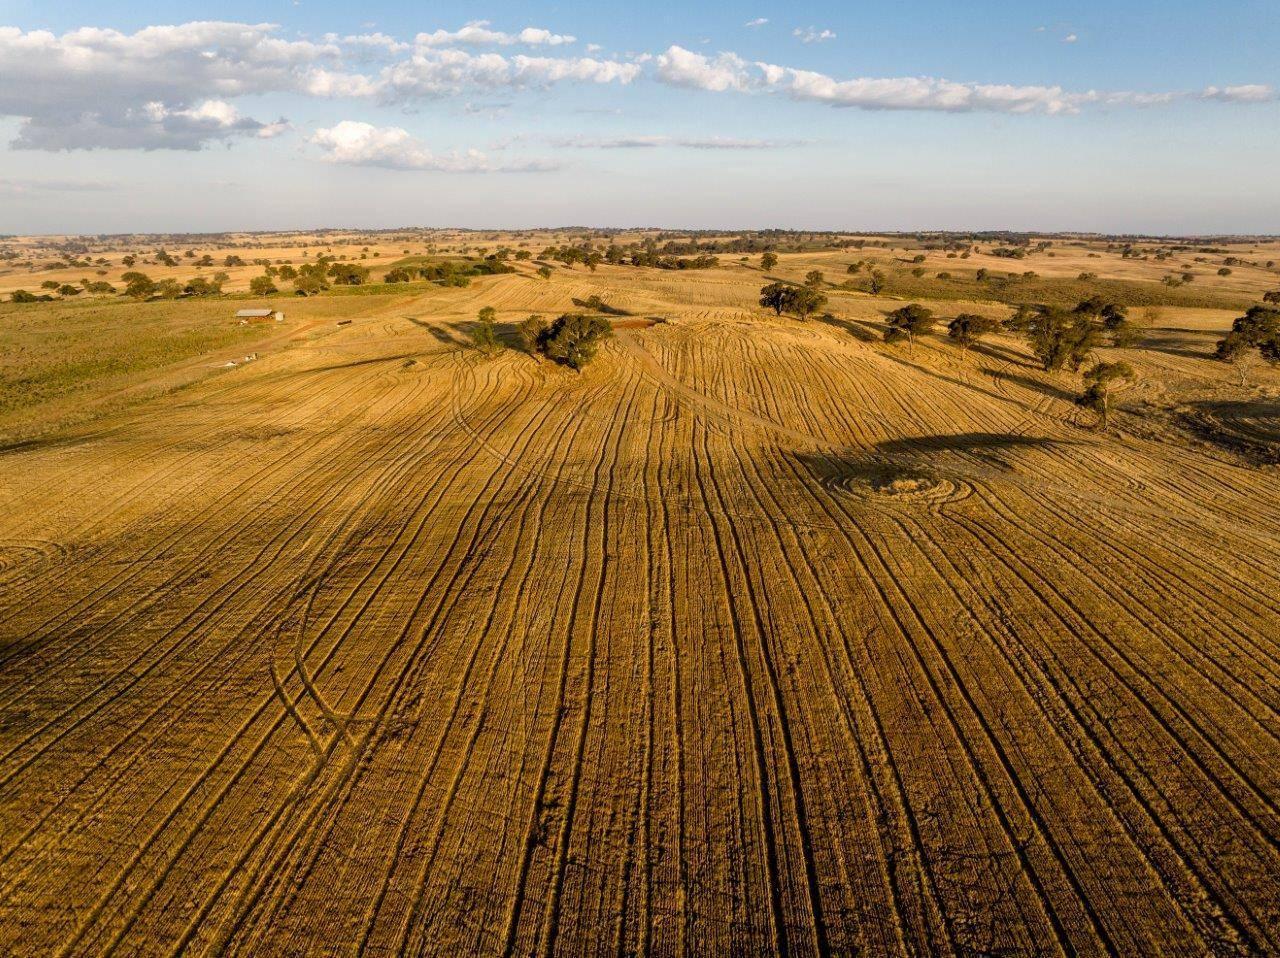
(758, 636)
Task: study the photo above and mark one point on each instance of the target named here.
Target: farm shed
(259, 315)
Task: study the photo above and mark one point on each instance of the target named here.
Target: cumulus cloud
(354, 143)
(176, 87)
(151, 89)
(725, 71)
(1070, 38)
(477, 33)
(99, 88)
(757, 22)
(729, 72)
(1247, 93)
(812, 35)
(435, 73)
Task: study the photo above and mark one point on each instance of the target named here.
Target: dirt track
(748, 640)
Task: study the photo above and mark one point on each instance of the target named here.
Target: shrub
(573, 339)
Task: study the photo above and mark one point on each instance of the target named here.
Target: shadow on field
(1178, 345)
(862, 331)
(447, 335)
(955, 457)
(1249, 428)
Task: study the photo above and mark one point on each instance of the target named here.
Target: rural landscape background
(856, 549)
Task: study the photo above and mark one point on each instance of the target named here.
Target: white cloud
(176, 87)
(812, 35)
(1247, 93)
(91, 87)
(477, 34)
(757, 22)
(1070, 38)
(681, 67)
(354, 143)
(727, 71)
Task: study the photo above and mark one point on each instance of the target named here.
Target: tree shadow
(858, 330)
(447, 335)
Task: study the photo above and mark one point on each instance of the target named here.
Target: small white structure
(259, 315)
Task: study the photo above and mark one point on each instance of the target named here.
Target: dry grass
(757, 636)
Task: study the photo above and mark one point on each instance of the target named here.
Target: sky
(1113, 116)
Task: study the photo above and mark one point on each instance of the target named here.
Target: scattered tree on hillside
(1272, 297)
(804, 301)
(1061, 339)
(349, 274)
(487, 314)
(262, 286)
(138, 285)
(876, 283)
(814, 279)
(573, 339)
(908, 322)
(544, 272)
(531, 332)
(483, 335)
(776, 297)
(1258, 329)
(22, 296)
(1104, 380)
(768, 261)
(968, 328)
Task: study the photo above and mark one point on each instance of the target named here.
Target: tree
(531, 331)
(768, 261)
(544, 272)
(349, 274)
(262, 286)
(485, 339)
(814, 279)
(1258, 329)
(876, 283)
(1272, 297)
(487, 314)
(573, 339)
(982, 274)
(776, 296)
(804, 301)
(22, 296)
(309, 284)
(593, 261)
(908, 322)
(138, 285)
(1105, 379)
(168, 289)
(967, 328)
(1061, 339)
(203, 287)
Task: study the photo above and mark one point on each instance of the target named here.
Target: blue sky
(282, 114)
